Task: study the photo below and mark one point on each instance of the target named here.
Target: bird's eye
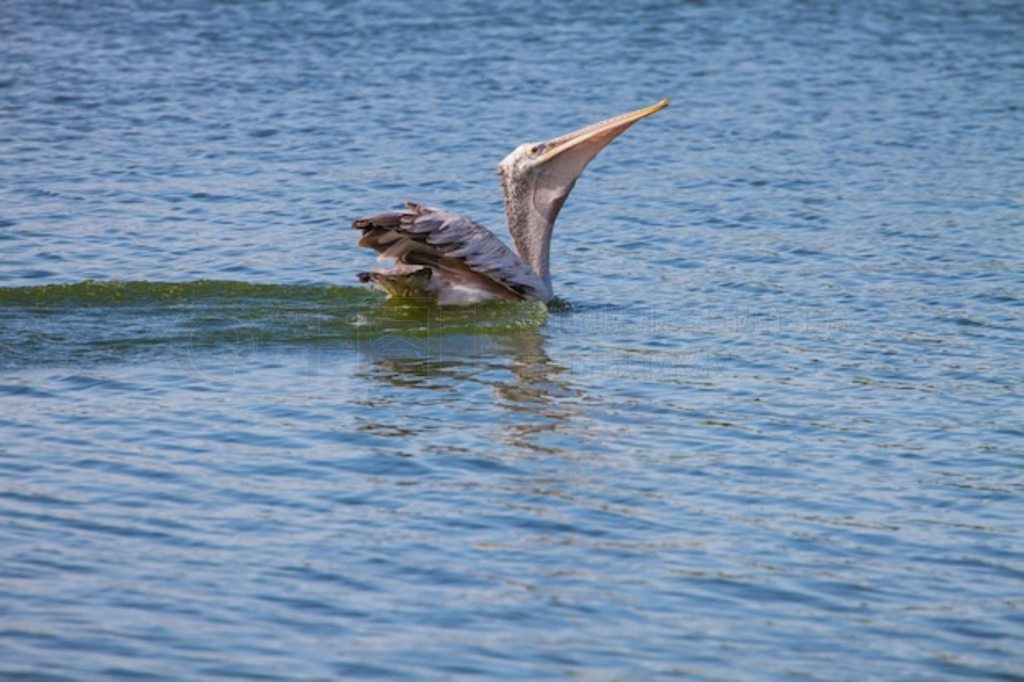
(534, 150)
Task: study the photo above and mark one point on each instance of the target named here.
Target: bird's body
(445, 256)
(455, 261)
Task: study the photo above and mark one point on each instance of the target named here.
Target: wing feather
(462, 249)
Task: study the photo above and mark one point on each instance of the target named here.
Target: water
(773, 428)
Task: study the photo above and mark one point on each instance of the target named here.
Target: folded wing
(461, 251)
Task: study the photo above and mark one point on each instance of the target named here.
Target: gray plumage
(454, 260)
(464, 252)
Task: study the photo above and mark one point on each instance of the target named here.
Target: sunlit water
(774, 427)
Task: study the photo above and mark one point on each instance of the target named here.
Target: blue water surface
(773, 428)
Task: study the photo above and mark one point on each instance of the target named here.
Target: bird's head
(538, 176)
(548, 170)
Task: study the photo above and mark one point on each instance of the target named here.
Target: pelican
(455, 261)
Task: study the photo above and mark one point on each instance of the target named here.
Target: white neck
(530, 230)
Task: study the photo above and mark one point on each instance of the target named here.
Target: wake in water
(94, 322)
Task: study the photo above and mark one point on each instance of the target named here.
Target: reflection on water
(516, 370)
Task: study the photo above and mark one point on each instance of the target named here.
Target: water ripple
(771, 427)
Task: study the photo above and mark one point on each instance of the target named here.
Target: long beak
(594, 137)
(564, 158)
